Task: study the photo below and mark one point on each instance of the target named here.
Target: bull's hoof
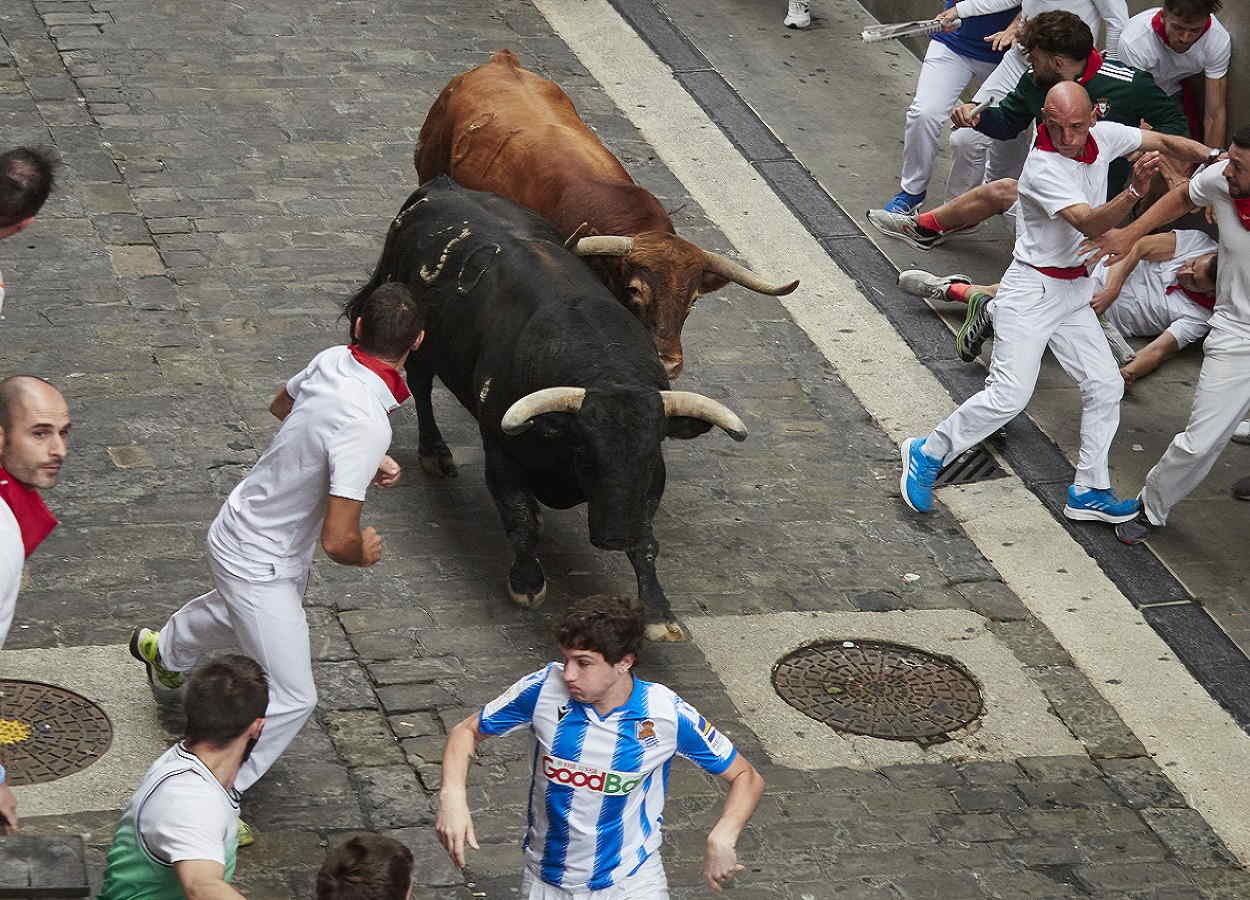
(666, 631)
(440, 464)
(528, 599)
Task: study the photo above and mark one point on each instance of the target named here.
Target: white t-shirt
(1142, 49)
(1051, 182)
(1144, 307)
(332, 442)
(12, 559)
(1232, 287)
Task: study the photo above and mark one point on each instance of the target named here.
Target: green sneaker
(977, 328)
(247, 834)
(144, 646)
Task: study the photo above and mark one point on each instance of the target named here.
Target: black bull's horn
(614, 245)
(569, 399)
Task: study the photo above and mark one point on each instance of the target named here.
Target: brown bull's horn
(556, 399)
(696, 406)
(604, 245)
(727, 268)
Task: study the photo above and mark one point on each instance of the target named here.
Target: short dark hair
(224, 696)
(1192, 9)
(366, 867)
(1214, 270)
(391, 317)
(1057, 32)
(612, 626)
(1241, 137)
(26, 175)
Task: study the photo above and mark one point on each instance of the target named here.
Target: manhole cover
(879, 689)
(48, 732)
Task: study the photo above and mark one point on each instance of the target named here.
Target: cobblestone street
(230, 170)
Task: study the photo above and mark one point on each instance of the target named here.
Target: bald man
(1044, 301)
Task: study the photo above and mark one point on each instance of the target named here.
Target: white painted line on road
(1198, 745)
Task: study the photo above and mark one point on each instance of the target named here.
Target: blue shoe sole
(1097, 515)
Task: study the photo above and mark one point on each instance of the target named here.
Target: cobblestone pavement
(230, 172)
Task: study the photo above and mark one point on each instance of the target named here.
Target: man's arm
(8, 810)
(1092, 221)
(1150, 357)
(1005, 121)
(720, 861)
(455, 822)
(1178, 147)
(341, 537)
(965, 8)
(1154, 247)
(1116, 242)
(1215, 114)
(282, 403)
(203, 879)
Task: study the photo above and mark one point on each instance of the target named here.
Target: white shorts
(648, 883)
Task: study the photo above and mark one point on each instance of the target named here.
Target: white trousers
(976, 158)
(1221, 400)
(943, 76)
(648, 883)
(265, 620)
(1031, 312)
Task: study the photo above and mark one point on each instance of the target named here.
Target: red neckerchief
(393, 380)
(1206, 301)
(33, 516)
(1092, 65)
(1242, 206)
(1161, 30)
(1088, 155)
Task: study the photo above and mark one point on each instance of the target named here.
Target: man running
(26, 177)
(311, 481)
(606, 740)
(1044, 301)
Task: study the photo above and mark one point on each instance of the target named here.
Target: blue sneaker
(905, 203)
(1092, 505)
(920, 470)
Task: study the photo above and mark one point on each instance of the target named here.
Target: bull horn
(696, 406)
(555, 399)
(727, 268)
(604, 245)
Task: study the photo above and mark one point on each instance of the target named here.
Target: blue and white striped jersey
(597, 791)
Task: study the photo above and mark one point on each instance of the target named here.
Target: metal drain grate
(48, 732)
(974, 464)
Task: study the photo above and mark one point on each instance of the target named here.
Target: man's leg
(926, 230)
(970, 150)
(201, 626)
(648, 883)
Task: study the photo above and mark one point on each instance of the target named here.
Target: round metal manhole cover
(878, 689)
(48, 732)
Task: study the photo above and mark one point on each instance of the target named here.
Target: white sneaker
(798, 14)
(1242, 434)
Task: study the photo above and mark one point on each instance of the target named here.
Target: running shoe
(977, 327)
(145, 647)
(798, 14)
(1136, 530)
(904, 227)
(920, 470)
(1242, 434)
(1092, 505)
(905, 203)
(1120, 348)
(920, 283)
(247, 834)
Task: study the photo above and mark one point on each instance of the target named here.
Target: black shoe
(1241, 488)
(1135, 530)
(977, 327)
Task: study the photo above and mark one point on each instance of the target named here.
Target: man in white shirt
(1179, 40)
(177, 838)
(1222, 398)
(606, 740)
(1045, 301)
(26, 176)
(310, 482)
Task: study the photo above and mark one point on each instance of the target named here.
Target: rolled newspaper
(874, 33)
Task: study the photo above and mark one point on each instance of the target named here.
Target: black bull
(569, 396)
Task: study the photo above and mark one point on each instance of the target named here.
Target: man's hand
(963, 116)
(949, 19)
(370, 547)
(1002, 40)
(1144, 170)
(388, 473)
(720, 864)
(1129, 376)
(455, 826)
(1110, 245)
(8, 810)
(1103, 300)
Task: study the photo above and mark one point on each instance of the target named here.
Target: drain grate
(974, 464)
(879, 689)
(48, 732)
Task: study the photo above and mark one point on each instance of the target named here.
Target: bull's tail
(384, 271)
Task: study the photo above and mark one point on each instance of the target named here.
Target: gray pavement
(230, 172)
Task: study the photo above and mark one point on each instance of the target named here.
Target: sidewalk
(231, 171)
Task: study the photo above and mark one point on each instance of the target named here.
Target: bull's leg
(661, 623)
(522, 522)
(432, 452)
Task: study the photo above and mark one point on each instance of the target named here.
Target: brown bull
(503, 129)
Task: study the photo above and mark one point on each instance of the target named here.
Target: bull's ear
(684, 427)
(712, 282)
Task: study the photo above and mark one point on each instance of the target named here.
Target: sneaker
(904, 227)
(1136, 530)
(919, 472)
(145, 647)
(798, 14)
(905, 203)
(920, 283)
(977, 327)
(1120, 348)
(1100, 506)
(1242, 434)
(247, 834)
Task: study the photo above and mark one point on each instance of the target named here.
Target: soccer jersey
(180, 812)
(597, 790)
(1142, 48)
(1232, 284)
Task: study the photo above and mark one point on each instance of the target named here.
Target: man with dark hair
(606, 740)
(1222, 398)
(366, 867)
(25, 182)
(178, 836)
(310, 481)
(1179, 43)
